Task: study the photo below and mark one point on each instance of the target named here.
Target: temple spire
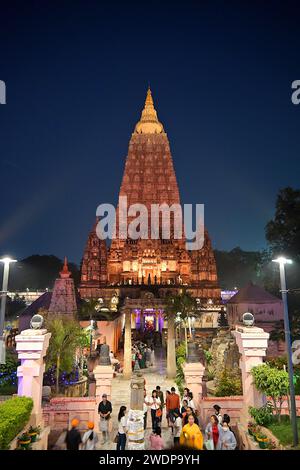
(149, 123)
(65, 273)
(149, 99)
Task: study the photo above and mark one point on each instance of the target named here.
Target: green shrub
(229, 384)
(210, 373)
(14, 415)
(263, 415)
(180, 351)
(273, 383)
(180, 361)
(208, 356)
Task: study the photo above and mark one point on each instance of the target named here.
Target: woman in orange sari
(191, 436)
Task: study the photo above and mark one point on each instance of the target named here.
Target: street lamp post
(282, 262)
(6, 261)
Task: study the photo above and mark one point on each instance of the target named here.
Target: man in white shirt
(177, 426)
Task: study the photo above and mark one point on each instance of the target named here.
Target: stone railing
(59, 413)
(77, 389)
(231, 405)
(285, 406)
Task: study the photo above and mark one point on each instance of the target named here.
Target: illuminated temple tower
(129, 266)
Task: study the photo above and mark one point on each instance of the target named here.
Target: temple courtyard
(120, 395)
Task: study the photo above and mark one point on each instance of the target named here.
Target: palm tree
(184, 307)
(66, 337)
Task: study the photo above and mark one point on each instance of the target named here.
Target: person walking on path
(177, 426)
(191, 436)
(152, 356)
(104, 410)
(90, 438)
(184, 408)
(147, 403)
(73, 437)
(189, 412)
(172, 403)
(156, 441)
(227, 438)
(122, 428)
(213, 432)
(217, 410)
(162, 401)
(190, 400)
(185, 395)
(155, 408)
(160, 395)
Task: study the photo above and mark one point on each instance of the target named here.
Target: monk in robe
(191, 436)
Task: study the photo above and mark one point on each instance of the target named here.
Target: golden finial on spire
(149, 124)
(149, 99)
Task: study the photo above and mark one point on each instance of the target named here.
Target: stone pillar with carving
(135, 421)
(31, 346)
(127, 370)
(103, 374)
(252, 343)
(193, 370)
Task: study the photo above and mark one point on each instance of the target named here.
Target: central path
(154, 375)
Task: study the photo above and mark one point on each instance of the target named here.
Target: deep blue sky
(76, 74)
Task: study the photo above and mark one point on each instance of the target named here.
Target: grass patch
(283, 431)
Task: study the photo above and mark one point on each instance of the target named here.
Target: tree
(182, 306)
(283, 231)
(273, 383)
(229, 384)
(278, 333)
(38, 272)
(237, 267)
(283, 236)
(66, 337)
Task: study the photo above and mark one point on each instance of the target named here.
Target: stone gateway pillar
(31, 347)
(193, 370)
(252, 343)
(135, 421)
(171, 353)
(127, 346)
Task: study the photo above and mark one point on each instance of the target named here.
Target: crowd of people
(142, 355)
(182, 418)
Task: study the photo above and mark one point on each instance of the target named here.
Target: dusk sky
(77, 73)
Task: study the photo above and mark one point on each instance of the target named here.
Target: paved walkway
(155, 375)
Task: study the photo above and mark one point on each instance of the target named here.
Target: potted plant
(33, 432)
(251, 428)
(262, 440)
(24, 440)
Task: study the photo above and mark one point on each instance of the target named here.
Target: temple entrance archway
(144, 320)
